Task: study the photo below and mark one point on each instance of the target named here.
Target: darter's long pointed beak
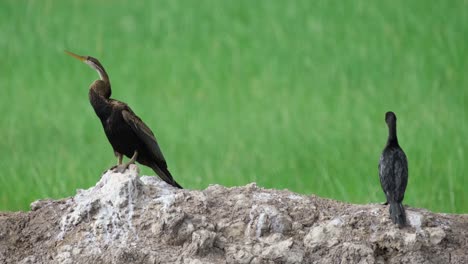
(81, 58)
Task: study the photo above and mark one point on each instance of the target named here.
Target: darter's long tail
(166, 176)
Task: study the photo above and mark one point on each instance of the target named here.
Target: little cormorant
(393, 172)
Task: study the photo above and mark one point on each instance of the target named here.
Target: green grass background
(289, 94)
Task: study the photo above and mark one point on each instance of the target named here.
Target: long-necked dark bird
(127, 134)
(393, 172)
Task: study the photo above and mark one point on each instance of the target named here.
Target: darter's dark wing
(145, 134)
(147, 137)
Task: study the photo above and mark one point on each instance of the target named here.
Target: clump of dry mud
(130, 219)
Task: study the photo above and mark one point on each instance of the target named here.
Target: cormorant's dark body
(393, 173)
(125, 131)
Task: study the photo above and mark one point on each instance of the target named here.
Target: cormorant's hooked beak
(81, 58)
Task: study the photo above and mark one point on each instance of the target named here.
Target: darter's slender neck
(102, 73)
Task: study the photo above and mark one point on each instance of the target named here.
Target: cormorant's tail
(397, 214)
(166, 176)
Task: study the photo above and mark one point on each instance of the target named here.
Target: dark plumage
(127, 134)
(393, 172)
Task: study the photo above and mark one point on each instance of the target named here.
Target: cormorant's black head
(390, 117)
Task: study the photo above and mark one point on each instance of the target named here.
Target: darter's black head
(95, 64)
(102, 86)
(390, 118)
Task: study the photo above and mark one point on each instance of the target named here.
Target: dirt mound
(130, 219)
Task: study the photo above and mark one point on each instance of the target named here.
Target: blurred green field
(289, 94)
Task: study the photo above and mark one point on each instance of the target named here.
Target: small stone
(278, 250)
(281, 224)
(326, 234)
(410, 239)
(234, 230)
(436, 235)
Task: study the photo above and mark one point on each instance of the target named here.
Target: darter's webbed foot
(120, 168)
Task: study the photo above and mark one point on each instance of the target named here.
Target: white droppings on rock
(166, 194)
(150, 180)
(110, 204)
(157, 182)
(415, 219)
(166, 200)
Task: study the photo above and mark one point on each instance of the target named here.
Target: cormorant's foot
(384, 203)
